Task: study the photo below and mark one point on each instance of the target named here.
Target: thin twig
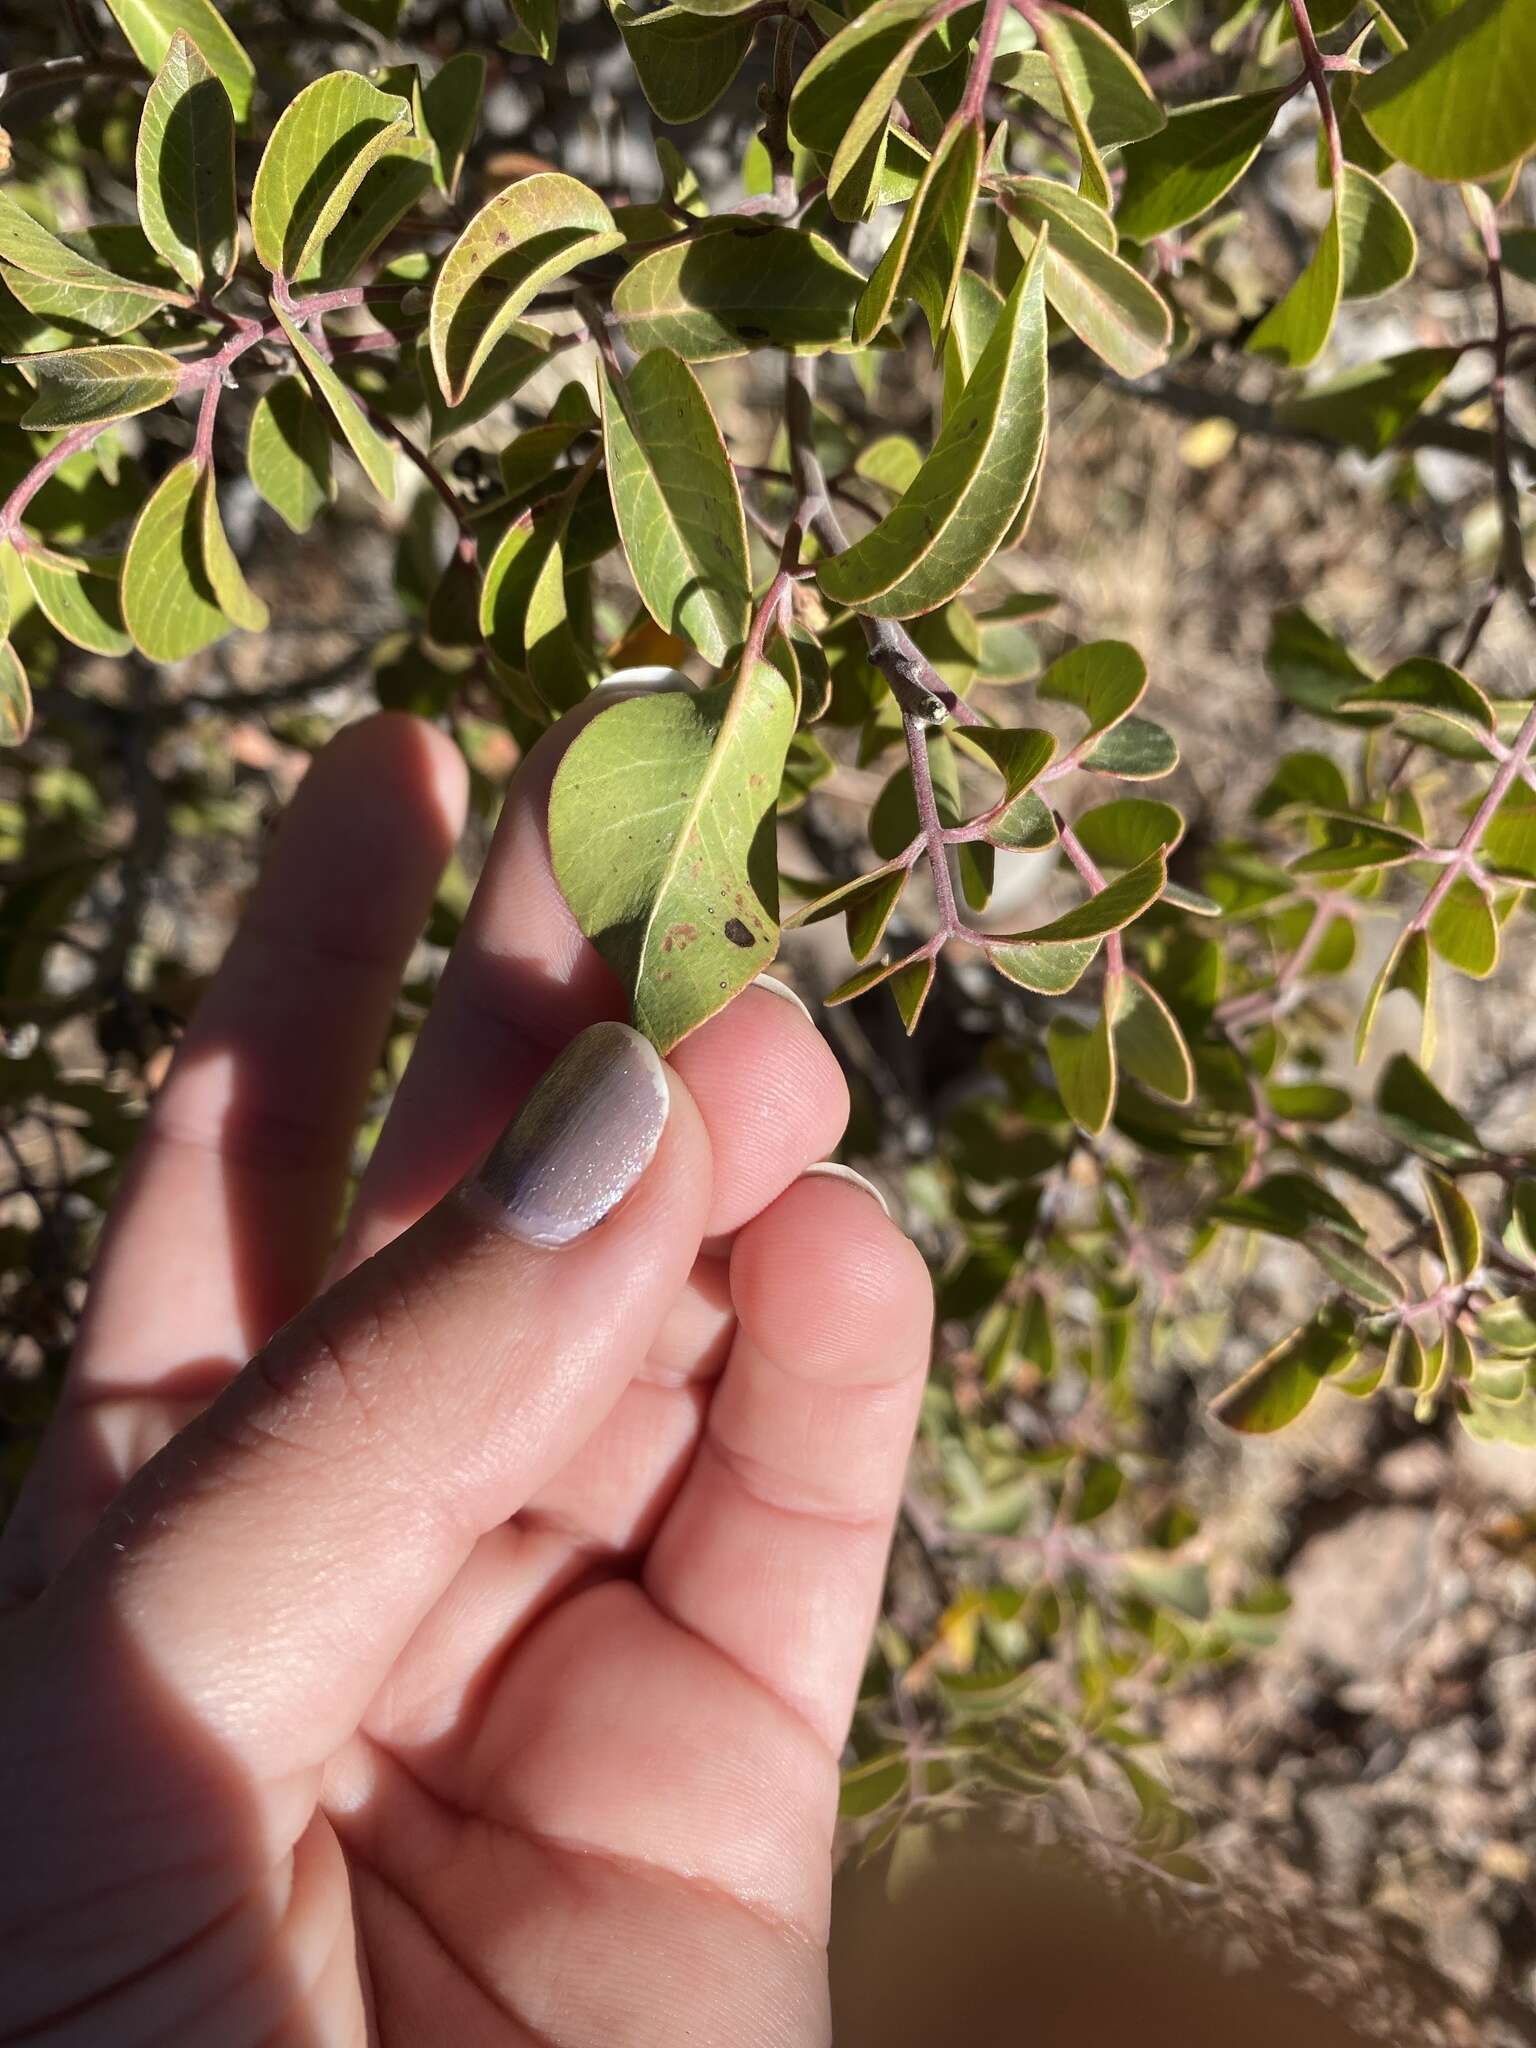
(1317, 72)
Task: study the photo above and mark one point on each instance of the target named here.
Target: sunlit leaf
(288, 453)
(963, 500)
(661, 830)
(676, 502)
(168, 600)
(150, 26)
(1276, 1389)
(519, 241)
(326, 140)
(1458, 104)
(112, 382)
(742, 287)
(185, 167)
(370, 447)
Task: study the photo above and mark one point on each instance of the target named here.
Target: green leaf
(910, 985)
(326, 140)
(522, 350)
(536, 29)
(1359, 1272)
(867, 1787)
(1137, 750)
(1369, 406)
(78, 385)
(1510, 1325)
(677, 505)
(150, 26)
(78, 598)
(1411, 1109)
(1102, 299)
(1431, 690)
(1128, 830)
(1315, 670)
(233, 595)
(927, 253)
(289, 453)
(381, 15)
(1377, 244)
(1097, 77)
(740, 287)
(448, 109)
(842, 100)
(1285, 1205)
(392, 185)
(1297, 328)
(75, 287)
(1148, 1042)
(185, 165)
(1458, 103)
(373, 452)
(1274, 1391)
(1018, 753)
(168, 600)
(530, 233)
(1456, 1226)
(1405, 967)
(957, 511)
(866, 903)
(1181, 172)
(1366, 248)
(684, 61)
(15, 698)
(1104, 679)
(1052, 957)
(1025, 826)
(661, 830)
(1083, 1062)
(1464, 930)
(1509, 837)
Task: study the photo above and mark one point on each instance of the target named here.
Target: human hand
(472, 1665)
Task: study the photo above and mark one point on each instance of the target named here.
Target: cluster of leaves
(985, 193)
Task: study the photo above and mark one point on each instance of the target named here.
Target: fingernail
(782, 988)
(637, 682)
(581, 1140)
(829, 1169)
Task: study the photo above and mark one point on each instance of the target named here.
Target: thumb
(275, 1558)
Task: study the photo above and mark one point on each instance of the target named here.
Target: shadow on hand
(142, 1897)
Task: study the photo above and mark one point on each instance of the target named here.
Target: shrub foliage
(214, 268)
